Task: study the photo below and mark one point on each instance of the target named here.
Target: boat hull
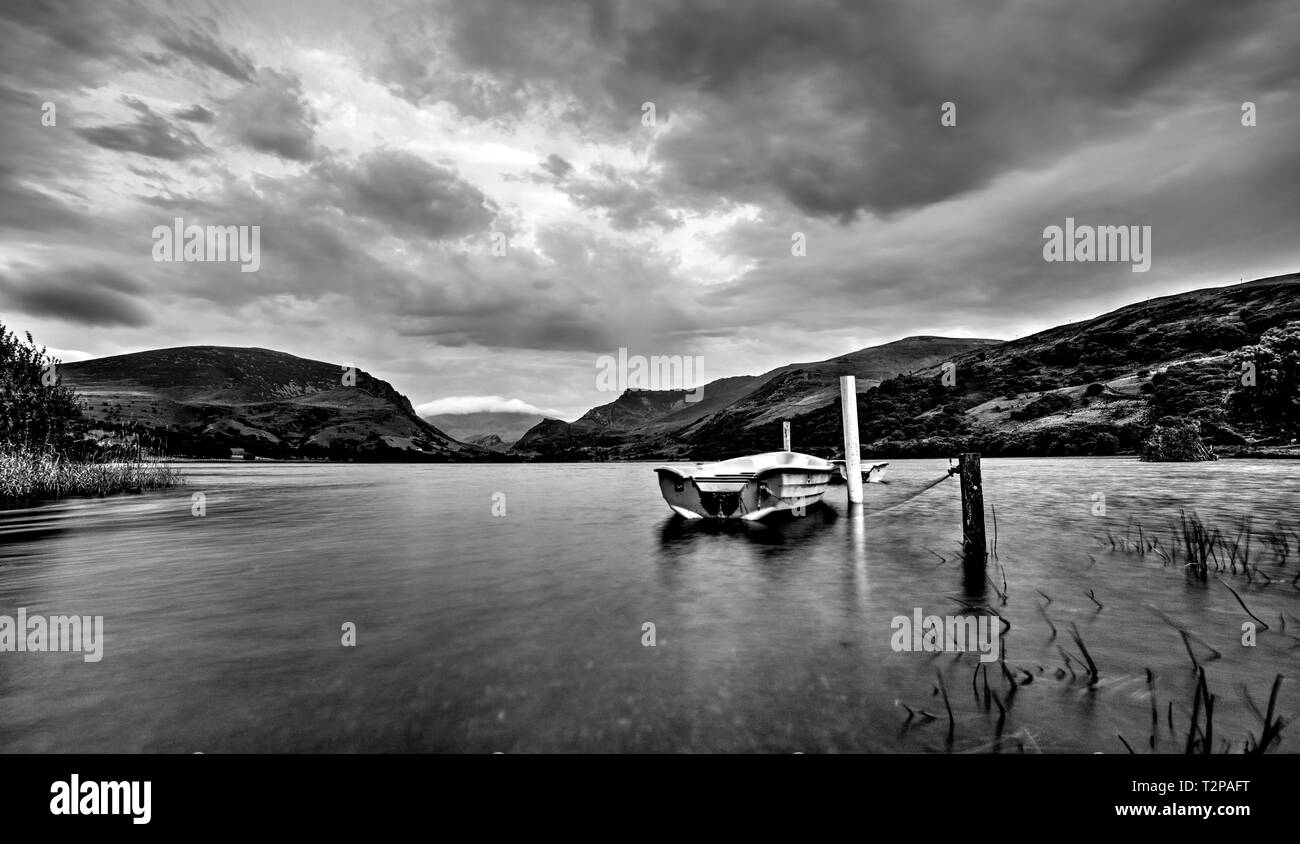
(747, 491)
(872, 473)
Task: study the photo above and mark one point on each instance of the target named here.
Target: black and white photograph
(896, 379)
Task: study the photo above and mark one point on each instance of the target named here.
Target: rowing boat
(745, 487)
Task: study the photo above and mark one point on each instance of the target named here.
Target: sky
(478, 200)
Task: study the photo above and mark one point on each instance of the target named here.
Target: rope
(763, 488)
(923, 489)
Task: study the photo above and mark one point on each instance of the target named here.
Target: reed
(1087, 657)
(1199, 543)
(1242, 549)
(1272, 723)
(29, 475)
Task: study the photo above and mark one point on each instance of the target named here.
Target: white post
(852, 450)
(785, 435)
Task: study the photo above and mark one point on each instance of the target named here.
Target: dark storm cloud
(557, 166)
(83, 27)
(844, 103)
(204, 50)
(630, 202)
(196, 114)
(94, 296)
(151, 134)
(64, 44)
(405, 191)
(835, 106)
(271, 115)
(504, 57)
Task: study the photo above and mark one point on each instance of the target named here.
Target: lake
(524, 631)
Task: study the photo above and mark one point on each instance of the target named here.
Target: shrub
(1180, 444)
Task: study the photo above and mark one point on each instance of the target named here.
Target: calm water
(523, 632)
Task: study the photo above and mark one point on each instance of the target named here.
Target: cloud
(631, 201)
(405, 191)
(59, 45)
(377, 161)
(204, 50)
(94, 296)
(68, 355)
(151, 135)
(271, 115)
(196, 114)
(460, 405)
(24, 207)
(834, 108)
(557, 166)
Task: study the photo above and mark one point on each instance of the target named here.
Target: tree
(1273, 399)
(36, 410)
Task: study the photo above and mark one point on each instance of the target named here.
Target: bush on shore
(41, 429)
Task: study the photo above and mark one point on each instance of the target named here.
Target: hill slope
(206, 400)
(1092, 387)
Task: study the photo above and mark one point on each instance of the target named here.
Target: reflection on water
(524, 632)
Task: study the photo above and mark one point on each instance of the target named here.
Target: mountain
(207, 400)
(664, 423)
(491, 442)
(507, 426)
(1099, 386)
(1093, 387)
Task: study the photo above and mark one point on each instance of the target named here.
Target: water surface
(523, 632)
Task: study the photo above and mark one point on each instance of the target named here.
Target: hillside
(654, 423)
(207, 400)
(1092, 387)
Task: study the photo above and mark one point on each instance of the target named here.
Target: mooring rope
(923, 489)
(945, 476)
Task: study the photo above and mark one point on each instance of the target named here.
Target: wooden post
(852, 451)
(785, 435)
(974, 543)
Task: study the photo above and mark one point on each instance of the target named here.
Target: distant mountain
(207, 400)
(655, 423)
(467, 427)
(489, 441)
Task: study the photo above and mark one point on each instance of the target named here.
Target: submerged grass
(28, 475)
(1207, 549)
